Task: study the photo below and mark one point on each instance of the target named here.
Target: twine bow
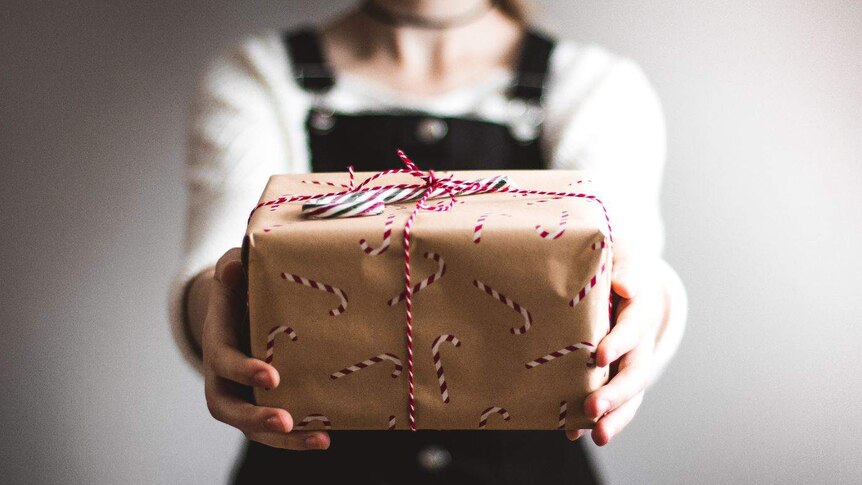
(361, 200)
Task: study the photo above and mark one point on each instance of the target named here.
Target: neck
(426, 51)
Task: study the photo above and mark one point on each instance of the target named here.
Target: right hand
(227, 370)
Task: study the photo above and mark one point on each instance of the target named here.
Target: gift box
(509, 292)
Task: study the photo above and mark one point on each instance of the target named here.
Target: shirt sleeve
(235, 142)
(603, 116)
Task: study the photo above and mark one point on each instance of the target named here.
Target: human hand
(631, 342)
(228, 371)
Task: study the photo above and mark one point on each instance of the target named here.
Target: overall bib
(368, 141)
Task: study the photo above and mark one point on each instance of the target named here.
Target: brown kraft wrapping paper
(329, 350)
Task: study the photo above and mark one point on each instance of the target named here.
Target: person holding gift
(457, 85)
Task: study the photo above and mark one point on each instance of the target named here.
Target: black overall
(368, 141)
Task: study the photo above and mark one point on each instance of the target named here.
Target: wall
(761, 199)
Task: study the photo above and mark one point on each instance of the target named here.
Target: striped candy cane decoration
(565, 351)
(435, 351)
(367, 363)
(528, 319)
(372, 201)
(387, 233)
(391, 423)
(322, 287)
(477, 231)
(327, 424)
(483, 420)
(564, 221)
(441, 270)
(270, 340)
(594, 280)
(563, 414)
(480, 224)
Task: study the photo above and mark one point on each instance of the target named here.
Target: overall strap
(309, 65)
(532, 70)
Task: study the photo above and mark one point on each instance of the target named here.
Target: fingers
(627, 277)
(613, 423)
(574, 435)
(271, 426)
(229, 363)
(632, 379)
(297, 440)
(226, 404)
(221, 338)
(636, 318)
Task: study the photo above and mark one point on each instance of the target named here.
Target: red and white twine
(441, 270)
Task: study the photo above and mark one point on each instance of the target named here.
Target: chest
(368, 139)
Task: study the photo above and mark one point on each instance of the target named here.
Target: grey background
(762, 200)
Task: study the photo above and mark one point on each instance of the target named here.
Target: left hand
(632, 341)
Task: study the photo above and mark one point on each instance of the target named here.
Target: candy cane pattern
(270, 340)
(563, 414)
(594, 280)
(367, 363)
(322, 287)
(391, 423)
(435, 350)
(387, 233)
(441, 270)
(564, 221)
(565, 351)
(477, 231)
(484, 419)
(480, 224)
(327, 424)
(528, 319)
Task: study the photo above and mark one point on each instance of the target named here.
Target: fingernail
(274, 423)
(602, 407)
(261, 378)
(611, 356)
(312, 442)
(609, 432)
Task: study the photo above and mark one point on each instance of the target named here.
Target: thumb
(625, 279)
(229, 271)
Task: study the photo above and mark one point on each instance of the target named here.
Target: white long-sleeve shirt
(247, 123)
